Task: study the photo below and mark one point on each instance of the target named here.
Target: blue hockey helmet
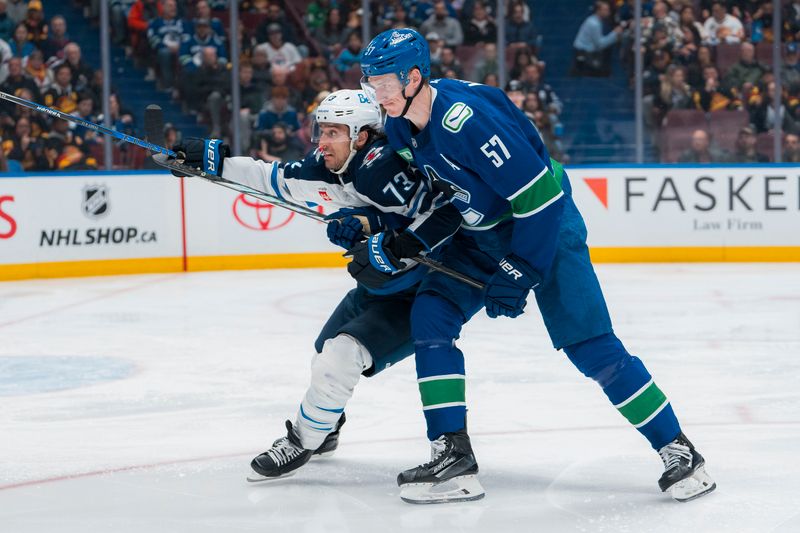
(397, 52)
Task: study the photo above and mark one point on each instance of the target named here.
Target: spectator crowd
(709, 84)
(706, 68)
(40, 63)
(293, 54)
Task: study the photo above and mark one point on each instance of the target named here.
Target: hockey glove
(361, 269)
(345, 232)
(347, 225)
(379, 257)
(507, 289)
(204, 154)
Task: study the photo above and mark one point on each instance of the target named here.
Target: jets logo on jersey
(456, 116)
(371, 156)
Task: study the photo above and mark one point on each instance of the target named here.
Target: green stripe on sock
(638, 409)
(442, 391)
(537, 194)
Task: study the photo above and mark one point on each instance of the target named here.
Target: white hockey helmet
(349, 107)
(353, 109)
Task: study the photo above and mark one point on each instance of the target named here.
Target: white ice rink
(135, 404)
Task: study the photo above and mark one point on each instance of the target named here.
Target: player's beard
(334, 162)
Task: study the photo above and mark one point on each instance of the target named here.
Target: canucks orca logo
(457, 192)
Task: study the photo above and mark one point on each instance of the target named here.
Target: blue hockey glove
(205, 154)
(361, 265)
(345, 232)
(375, 260)
(508, 288)
(375, 220)
(346, 227)
(379, 254)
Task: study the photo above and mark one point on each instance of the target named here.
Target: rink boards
(74, 224)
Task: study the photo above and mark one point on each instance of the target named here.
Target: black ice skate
(285, 456)
(331, 442)
(450, 476)
(684, 475)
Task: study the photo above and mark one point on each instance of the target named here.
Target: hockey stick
(154, 126)
(172, 164)
(86, 124)
(154, 130)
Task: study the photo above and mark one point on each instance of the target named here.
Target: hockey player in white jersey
(370, 189)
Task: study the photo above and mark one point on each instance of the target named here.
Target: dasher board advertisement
(86, 217)
(223, 222)
(701, 207)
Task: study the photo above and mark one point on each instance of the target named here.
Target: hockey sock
(443, 394)
(440, 364)
(334, 374)
(628, 385)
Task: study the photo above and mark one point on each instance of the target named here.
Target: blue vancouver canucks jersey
(495, 162)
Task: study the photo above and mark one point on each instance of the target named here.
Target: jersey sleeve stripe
(273, 179)
(527, 185)
(540, 193)
(540, 208)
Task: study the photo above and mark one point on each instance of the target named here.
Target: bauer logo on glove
(207, 155)
(510, 270)
(507, 290)
(380, 259)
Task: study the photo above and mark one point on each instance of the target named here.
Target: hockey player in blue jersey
(521, 232)
(354, 173)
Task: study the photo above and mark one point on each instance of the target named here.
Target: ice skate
(285, 456)
(450, 476)
(331, 442)
(685, 476)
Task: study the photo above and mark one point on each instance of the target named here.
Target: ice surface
(134, 404)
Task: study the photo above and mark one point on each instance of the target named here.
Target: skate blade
(255, 477)
(694, 486)
(458, 489)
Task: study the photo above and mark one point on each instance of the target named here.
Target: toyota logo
(259, 215)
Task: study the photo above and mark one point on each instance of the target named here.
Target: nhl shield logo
(95, 201)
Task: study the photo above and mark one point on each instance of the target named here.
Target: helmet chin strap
(410, 99)
(347, 161)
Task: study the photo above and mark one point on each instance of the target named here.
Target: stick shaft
(301, 210)
(85, 123)
(430, 263)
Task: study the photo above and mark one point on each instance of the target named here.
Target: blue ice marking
(35, 374)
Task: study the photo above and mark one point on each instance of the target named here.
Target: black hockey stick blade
(154, 124)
